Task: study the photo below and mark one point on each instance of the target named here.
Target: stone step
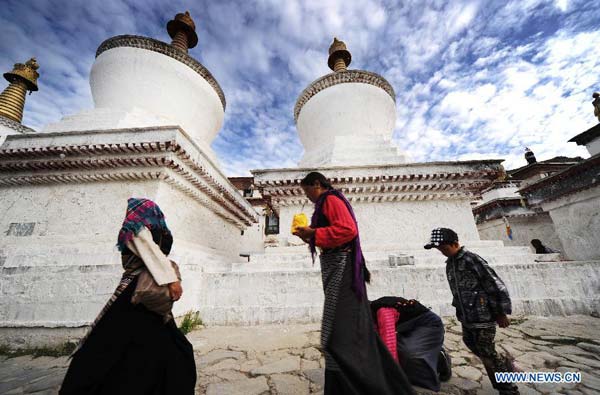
(251, 298)
(302, 262)
(471, 244)
(370, 255)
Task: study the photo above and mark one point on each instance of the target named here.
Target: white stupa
(345, 121)
(64, 191)
(347, 117)
(142, 82)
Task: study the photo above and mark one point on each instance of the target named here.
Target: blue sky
(473, 79)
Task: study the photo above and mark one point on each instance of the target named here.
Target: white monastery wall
(577, 222)
(253, 240)
(524, 229)
(407, 224)
(59, 258)
(68, 212)
(593, 147)
(498, 193)
(193, 223)
(60, 216)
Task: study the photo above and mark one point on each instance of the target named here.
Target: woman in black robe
(130, 349)
(357, 362)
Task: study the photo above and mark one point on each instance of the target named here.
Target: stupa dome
(142, 82)
(345, 108)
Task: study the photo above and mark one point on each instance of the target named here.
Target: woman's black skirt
(357, 361)
(131, 351)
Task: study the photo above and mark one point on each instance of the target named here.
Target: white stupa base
(63, 204)
(355, 150)
(98, 119)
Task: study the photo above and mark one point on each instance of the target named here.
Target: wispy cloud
(474, 79)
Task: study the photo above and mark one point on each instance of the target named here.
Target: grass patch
(62, 350)
(191, 320)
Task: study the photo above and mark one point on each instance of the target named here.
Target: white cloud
(562, 5)
(472, 78)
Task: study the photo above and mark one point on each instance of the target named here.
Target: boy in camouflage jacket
(481, 301)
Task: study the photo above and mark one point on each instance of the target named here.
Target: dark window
(248, 192)
(272, 223)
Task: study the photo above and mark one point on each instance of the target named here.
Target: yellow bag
(300, 220)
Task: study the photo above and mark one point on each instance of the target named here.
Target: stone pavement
(286, 359)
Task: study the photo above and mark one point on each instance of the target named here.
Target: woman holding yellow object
(356, 360)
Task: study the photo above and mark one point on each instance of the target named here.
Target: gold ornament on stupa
(182, 30)
(22, 78)
(339, 56)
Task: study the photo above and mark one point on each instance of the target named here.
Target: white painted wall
(63, 273)
(524, 230)
(405, 224)
(577, 222)
(498, 193)
(593, 147)
(253, 239)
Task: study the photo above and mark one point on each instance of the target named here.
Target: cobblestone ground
(286, 360)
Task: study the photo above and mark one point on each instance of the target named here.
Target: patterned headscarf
(140, 213)
(360, 272)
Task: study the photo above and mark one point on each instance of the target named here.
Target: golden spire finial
(339, 56)
(182, 30)
(22, 78)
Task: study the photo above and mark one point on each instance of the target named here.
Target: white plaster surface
(287, 296)
(6, 131)
(339, 122)
(133, 87)
(577, 221)
(593, 147)
(402, 224)
(499, 193)
(253, 239)
(393, 222)
(58, 258)
(524, 229)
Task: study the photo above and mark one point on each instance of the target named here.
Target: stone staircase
(299, 259)
(283, 286)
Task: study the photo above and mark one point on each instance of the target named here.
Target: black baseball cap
(441, 236)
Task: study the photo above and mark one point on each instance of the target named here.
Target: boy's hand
(305, 233)
(503, 321)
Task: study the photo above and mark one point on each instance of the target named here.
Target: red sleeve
(341, 229)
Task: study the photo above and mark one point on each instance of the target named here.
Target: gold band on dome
(153, 45)
(343, 77)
